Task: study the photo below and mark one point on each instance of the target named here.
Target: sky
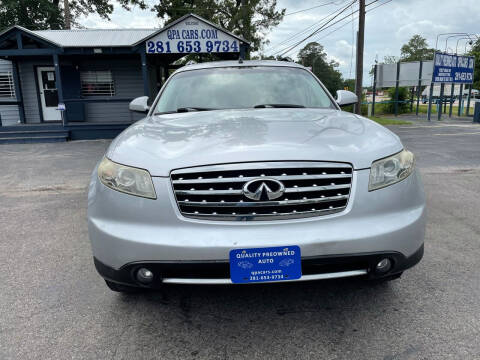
(387, 27)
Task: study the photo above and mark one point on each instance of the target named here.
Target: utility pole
(245, 24)
(66, 13)
(359, 67)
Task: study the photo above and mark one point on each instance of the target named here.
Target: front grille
(216, 192)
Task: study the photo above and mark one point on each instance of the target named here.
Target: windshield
(242, 87)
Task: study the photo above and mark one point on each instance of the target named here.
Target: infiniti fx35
(248, 172)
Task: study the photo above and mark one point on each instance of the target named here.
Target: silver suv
(246, 172)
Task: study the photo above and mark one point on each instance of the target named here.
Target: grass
(386, 121)
(423, 109)
(382, 112)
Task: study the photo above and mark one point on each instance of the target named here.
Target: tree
(416, 49)
(389, 107)
(252, 19)
(387, 59)
(390, 59)
(475, 51)
(349, 84)
(32, 14)
(50, 14)
(313, 55)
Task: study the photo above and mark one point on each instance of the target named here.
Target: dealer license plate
(265, 264)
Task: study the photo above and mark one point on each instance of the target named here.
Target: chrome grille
(216, 192)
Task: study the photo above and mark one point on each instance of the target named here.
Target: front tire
(123, 288)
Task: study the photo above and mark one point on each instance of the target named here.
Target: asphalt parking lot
(53, 305)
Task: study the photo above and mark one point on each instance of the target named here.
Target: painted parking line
(457, 134)
(440, 126)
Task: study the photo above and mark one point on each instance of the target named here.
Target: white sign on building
(192, 35)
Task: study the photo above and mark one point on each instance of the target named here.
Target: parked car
(245, 172)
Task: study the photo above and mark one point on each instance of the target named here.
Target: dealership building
(57, 85)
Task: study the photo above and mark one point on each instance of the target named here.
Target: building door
(48, 93)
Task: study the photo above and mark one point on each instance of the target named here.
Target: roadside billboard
(450, 68)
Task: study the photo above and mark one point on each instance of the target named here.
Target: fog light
(144, 276)
(383, 266)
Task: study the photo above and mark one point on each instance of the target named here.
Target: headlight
(388, 171)
(126, 179)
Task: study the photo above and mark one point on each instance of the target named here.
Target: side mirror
(345, 98)
(139, 104)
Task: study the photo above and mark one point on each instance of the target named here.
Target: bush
(403, 94)
(364, 108)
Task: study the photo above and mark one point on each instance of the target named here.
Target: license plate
(265, 264)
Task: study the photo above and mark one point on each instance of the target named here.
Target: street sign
(450, 68)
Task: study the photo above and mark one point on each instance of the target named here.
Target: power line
(321, 28)
(338, 28)
(313, 7)
(386, 2)
(291, 38)
(324, 26)
(350, 21)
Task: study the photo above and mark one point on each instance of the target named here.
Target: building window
(97, 83)
(7, 88)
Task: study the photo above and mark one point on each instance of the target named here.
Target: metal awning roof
(102, 38)
(94, 37)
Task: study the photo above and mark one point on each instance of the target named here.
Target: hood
(166, 142)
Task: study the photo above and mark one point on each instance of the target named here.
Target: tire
(123, 288)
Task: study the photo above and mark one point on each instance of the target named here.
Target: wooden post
(360, 44)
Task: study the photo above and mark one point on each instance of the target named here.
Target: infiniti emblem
(263, 189)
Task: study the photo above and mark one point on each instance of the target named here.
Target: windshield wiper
(262, 106)
(184, 109)
(193, 108)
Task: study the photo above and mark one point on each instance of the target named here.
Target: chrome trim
(248, 178)
(335, 275)
(240, 192)
(217, 192)
(317, 188)
(263, 203)
(263, 165)
(253, 216)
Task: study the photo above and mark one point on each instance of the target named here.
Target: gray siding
(128, 82)
(29, 88)
(8, 113)
(110, 112)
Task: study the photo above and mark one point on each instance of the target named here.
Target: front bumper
(126, 230)
(218, 272)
